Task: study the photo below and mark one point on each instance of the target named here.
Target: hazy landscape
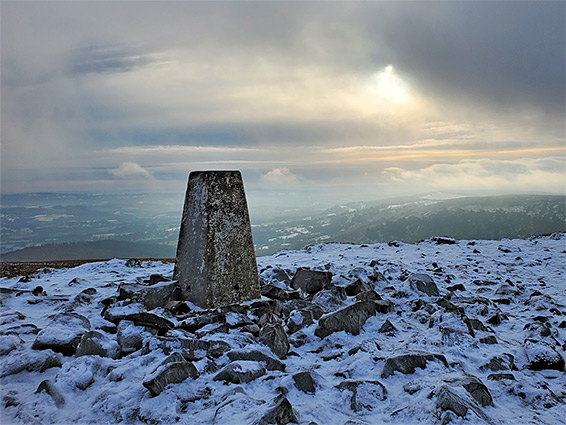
(39, 227)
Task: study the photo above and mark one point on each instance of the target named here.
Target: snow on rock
(432, 333)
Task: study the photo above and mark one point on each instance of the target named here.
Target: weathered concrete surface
(216, 262)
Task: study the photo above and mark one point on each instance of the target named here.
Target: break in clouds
(376, 99)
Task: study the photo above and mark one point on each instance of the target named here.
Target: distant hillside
(417, 218)
(408, 219)
(91, 250)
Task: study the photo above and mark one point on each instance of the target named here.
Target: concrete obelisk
(216, 262)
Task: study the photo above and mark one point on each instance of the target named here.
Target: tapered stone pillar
(216, 262)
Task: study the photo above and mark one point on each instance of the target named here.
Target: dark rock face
(304, 382)
(365, 394)
(50, 388)
(352, 318)
(281, 413)
(424, 283)
(407, 363)
(171, 373)
(275, 337)
(310, 281)
(240, 371)
(63, 334)
(216, 262)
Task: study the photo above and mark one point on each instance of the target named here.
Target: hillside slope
(471, 332)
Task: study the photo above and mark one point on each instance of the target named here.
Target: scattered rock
(448, 400)
(298, 319)
(305, 382)
(365, 394)
(357, 286)
(387, 327)
(424, 283)
(491, 339)
(31, 361)
(130, 337)
(50, 388)
(457, 287)
(281, 412)
(63, 334)
(97, 344)
(271, 363)
(501, 377)
(407, 363)
(275, 337)
(240, 371)
(9, 343)
(542, 356)
(352, 318)
(157, 295)
(478, 391)
(443, 240)
(310, 281)
(274, 292)
(368, 296)
(171, 373)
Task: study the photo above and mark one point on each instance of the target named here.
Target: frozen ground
(488, 347)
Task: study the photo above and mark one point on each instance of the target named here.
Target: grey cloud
(111, 58)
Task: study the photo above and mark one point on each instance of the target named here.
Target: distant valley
(64, 227)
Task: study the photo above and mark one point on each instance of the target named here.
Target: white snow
(104, 390)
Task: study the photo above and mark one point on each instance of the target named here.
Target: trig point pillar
(216, 262)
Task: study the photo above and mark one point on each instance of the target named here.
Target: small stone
(424, 283)
(275, 337)
(365, 394)
(305, 382)
(171, 373)
(478, 391)
(50, 388)
(97, 344)
(274, 292)
(542, 356)
(501, 377)
(310, 281)
(491, 339)
(271, 363)
(281, 413)
(240, 371)
(387, 327)
(63, 334)
(352, 318)
(357, 286)
(407, 363)
(457, 287)
(448, 400)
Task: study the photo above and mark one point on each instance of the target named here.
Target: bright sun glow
(390, 87)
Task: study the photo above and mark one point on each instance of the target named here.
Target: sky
(346, 100)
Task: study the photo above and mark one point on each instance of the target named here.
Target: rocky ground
(438, 332)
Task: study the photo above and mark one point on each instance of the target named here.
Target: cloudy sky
(355, 99)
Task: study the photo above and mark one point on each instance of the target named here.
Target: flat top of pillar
(215, 173)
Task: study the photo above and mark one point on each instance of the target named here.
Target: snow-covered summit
(465, 332)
